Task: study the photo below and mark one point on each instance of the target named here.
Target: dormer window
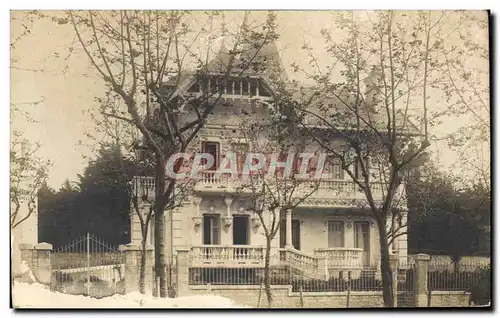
(237, 87)
(253, 82)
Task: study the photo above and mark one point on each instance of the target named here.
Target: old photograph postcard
(250, 159)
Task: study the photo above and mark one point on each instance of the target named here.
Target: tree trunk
(142, 270)
(160, 229)
(267, 273)
(385, 266)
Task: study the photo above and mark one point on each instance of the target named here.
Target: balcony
(241, 256)
(208, 182)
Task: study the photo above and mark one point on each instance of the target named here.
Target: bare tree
(272, 190)
(28, 172)
(144, 57)
(387, 65)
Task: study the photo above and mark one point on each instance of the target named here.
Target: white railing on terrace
(211, 181)
(341, 257)
(299, 259)
(326, 259)
(227, 256)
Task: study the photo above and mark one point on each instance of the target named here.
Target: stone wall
(23, 234)
(449, 299)
(36, 258)
(283, 297)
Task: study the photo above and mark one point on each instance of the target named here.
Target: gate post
(420, 280)
(37, 258)
(131, 267)
(148, 273)
(132, 255)
(182, 272)
(27, 256)
(393, 259)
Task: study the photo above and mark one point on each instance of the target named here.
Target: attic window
(213, 85)
(262, 90)
(253, 86)
(237, 87)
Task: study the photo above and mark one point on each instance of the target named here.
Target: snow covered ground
(26, 295)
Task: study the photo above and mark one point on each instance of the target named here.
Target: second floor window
(212, 148)
(333, 168)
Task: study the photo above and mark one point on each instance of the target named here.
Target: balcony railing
(324, 261)
(143, 186)
(295, 258)
(227, 256)
(341, 257)
(209, 181)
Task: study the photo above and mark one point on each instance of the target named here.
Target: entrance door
(240, 230)
(362, 240)
(240, 236)
(295, 234)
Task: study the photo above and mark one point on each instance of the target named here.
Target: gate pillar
(420, 279)
(37, 258)
(132, 254)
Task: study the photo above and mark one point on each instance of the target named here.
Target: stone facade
(183, 227)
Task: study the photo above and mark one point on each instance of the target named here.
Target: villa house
(327, 233)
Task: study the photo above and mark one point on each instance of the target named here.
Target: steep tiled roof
(262, 59)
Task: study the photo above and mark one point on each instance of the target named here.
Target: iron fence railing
(339, 280)
(457, 277)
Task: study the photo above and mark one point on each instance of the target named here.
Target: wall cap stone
(26, 246)
(134, 247)
(44, 246)
(450, 292)
(422, 257)
(129, 247)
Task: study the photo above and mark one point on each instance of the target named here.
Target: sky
(65, 86)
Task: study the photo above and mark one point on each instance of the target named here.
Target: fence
(365, 280)
(456, 278)
(416, 282)
(88, 266)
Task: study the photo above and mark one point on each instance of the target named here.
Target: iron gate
(88, 266)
